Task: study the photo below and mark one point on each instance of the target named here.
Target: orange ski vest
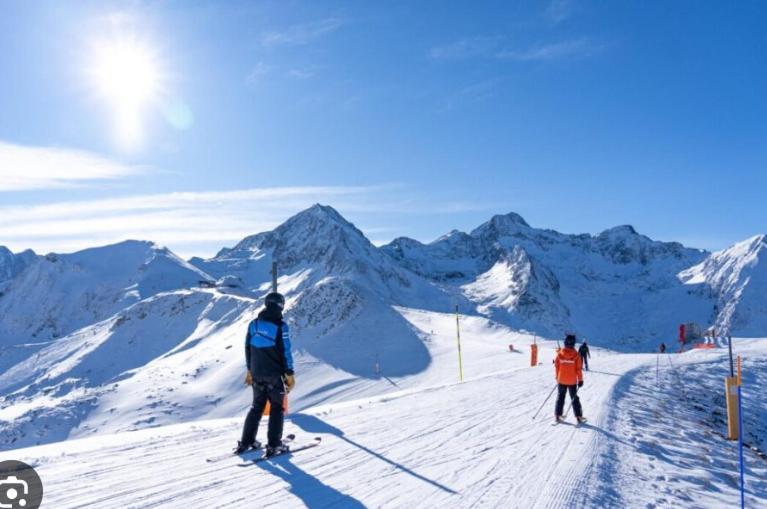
(568, 367)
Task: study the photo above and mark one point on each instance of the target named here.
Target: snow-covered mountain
(12, 264)
(737, 276)
(613, 286)
(340, 288)
(54, 295)
(310, 247)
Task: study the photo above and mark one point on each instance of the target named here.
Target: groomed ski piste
(655, 437)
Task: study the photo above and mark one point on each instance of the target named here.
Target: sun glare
(127, 75)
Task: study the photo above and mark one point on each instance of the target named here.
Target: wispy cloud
(28, 168)
(497, 48)
(200, 223)
(553, 51)
(302, 33)
(470, 47)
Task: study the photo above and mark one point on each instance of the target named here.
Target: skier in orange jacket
(568, 368)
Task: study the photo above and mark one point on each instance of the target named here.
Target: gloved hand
(290, 381)
(248, 378)
(580, 384)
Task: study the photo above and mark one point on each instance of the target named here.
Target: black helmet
(274, 299)
(570, 340)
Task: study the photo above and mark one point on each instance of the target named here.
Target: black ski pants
(271, 389)
(563, 390)
(585, 359)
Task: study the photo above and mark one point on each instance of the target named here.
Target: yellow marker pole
(458, 336)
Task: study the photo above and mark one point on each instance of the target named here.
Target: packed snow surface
(470, 444)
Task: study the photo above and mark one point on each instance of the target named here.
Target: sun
(126, 74)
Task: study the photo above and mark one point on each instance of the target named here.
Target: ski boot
(581, 420)
(242, 448)
(280, 448)
(559, 419)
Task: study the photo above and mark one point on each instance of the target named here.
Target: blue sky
(411, 118)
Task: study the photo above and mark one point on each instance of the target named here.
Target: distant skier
(584, 352)
(270, 373)
(569, 373)
(663, 348)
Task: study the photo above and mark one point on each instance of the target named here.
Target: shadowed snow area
(670, 422)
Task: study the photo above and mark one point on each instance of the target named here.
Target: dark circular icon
(20, 486)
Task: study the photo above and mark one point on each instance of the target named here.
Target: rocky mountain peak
(501, 225)
(318, 219)
(625, 230)
(12, 264)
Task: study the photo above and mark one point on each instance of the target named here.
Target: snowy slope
(178, 356)
(451, 445)
(58, 294)
(519, 291)
(666, 447)
(165, 359)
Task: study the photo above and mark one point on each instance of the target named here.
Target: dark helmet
(274, 299)
(570, 340)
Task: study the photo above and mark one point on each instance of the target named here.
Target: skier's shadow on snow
(308, 488)
(314, 425)
(609, 435)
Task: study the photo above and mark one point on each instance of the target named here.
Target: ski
(566, 423)
(247, 454)
(302, 447)
(222, 457)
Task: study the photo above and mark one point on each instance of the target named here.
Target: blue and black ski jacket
(267, 345)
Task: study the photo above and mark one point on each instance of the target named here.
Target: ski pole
(571, 401)
(544, 401)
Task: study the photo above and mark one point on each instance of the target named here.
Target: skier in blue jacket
(270, 373)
